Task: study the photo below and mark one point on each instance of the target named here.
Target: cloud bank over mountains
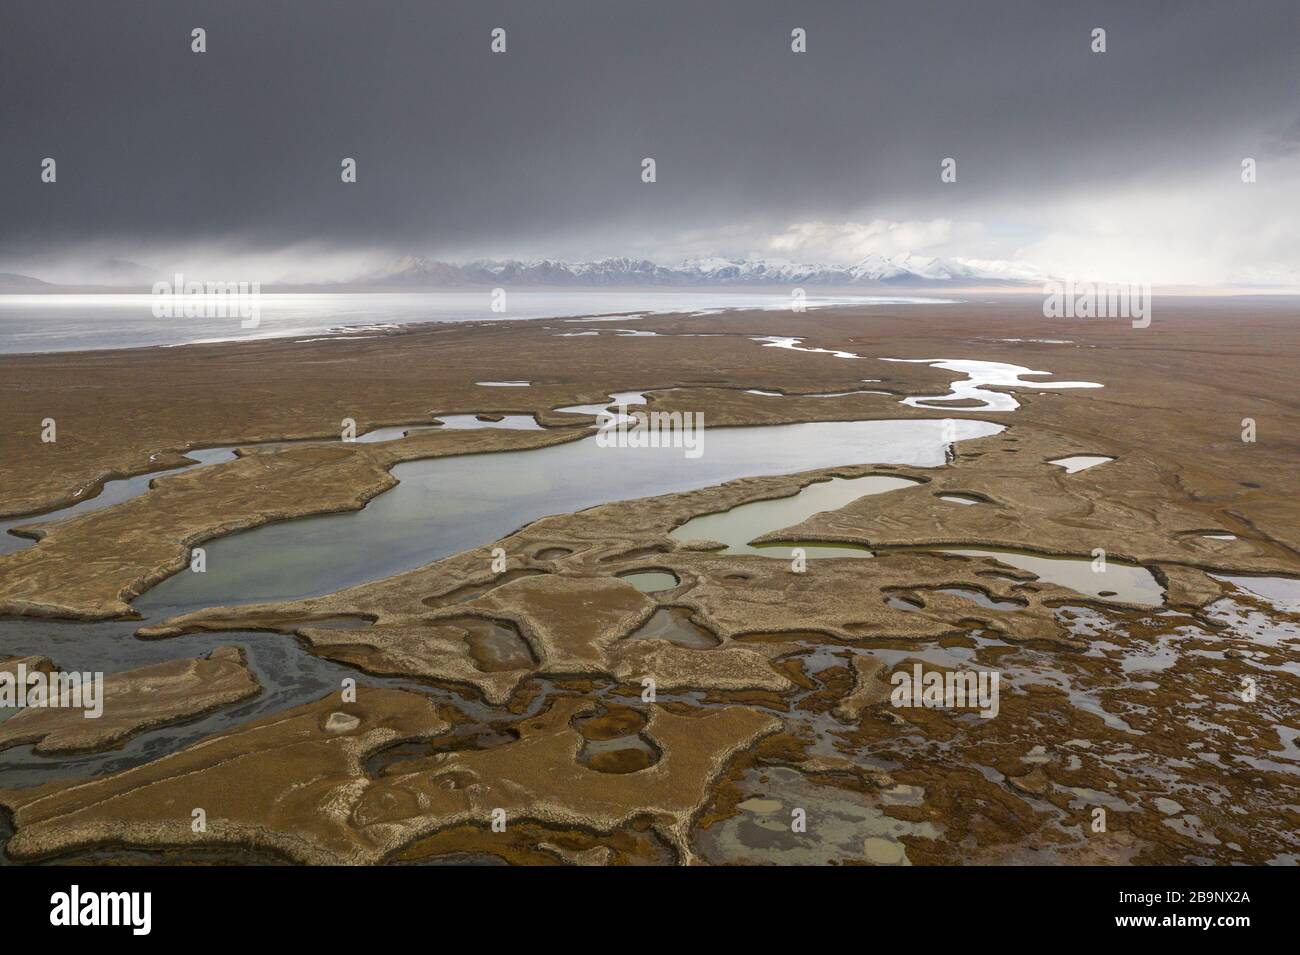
(1114, 166)
(414, 272)
(902, 269)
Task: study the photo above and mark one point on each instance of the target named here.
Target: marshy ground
(555, 661)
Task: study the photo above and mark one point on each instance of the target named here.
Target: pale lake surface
(45, 323)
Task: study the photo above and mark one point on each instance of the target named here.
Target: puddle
(1254, 626)
(1017, 666)
(1282, 592)
(443, 506)
(612, 740)
(469, 422)
(1080, 462)
(903, 603)
(740, 525)
(494, 645)
(1127, 583)
(981, 598)
(961, 499)
(674, 624)
(406, 757)
(503, 384)
(914, 600)
(610, 721)
(651, 581)
(552, 553)
(623, 754)
(841, 825)
(390, 433)
(974, 387)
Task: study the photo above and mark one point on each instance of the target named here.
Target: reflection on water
(651, 581)
(124, 489)
(1127, 583)
(840, 824)
(1282, 592)
(445, 505)
(113, 492)
(740, 525)
(288, 674)
(981, 598)
(675, 625)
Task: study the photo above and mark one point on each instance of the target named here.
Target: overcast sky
(1095, 164)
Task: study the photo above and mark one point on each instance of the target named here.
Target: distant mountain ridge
(13, 282)
(418, 272)
(904, 269)
(113, 273)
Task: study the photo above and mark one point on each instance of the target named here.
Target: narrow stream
(113, 492)
(124, 489)
(974, 387)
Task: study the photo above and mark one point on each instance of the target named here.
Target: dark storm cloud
(458, 148)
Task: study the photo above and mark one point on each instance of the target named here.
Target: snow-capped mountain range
(414, 272)
(904, 269)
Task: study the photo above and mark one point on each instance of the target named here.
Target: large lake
(45, 323)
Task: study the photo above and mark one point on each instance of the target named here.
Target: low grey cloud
(1286, 144)
(537, 151)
